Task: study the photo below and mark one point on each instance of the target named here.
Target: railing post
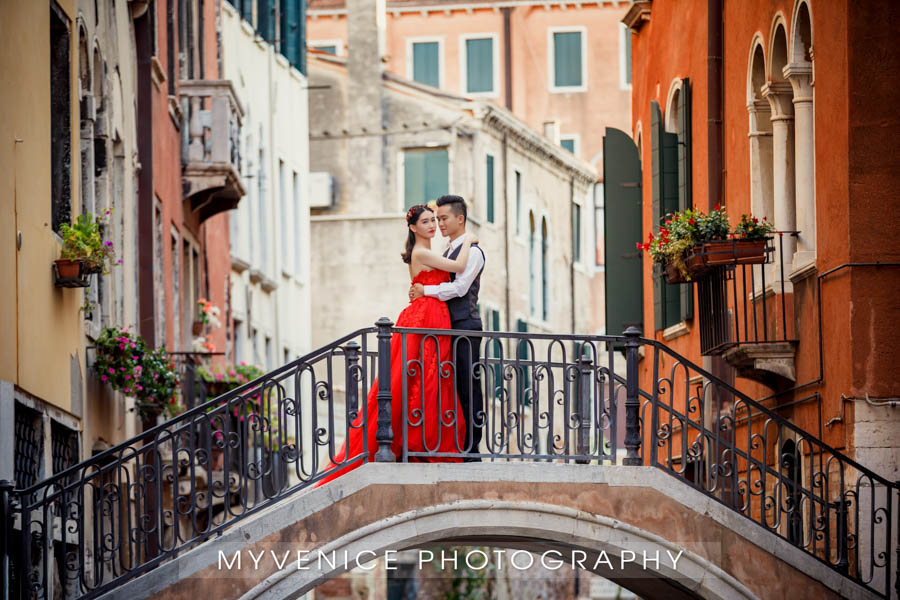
(384, 435)
(583, 408)
(6, 487)
(843, 562)
(351, 375)
(632, 405)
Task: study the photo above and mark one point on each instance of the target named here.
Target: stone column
(800, 76)
(365, 112)
(779, 96)
(761, 159)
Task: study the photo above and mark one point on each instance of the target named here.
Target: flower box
(728, 252)
(70, 273)
(673, 275)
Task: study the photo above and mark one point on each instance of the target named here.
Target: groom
(461, 296)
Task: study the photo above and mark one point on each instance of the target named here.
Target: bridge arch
(536, 507)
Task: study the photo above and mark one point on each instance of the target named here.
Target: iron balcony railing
(566, 398)
(745, 302)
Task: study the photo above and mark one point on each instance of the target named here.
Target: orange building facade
(789, 117)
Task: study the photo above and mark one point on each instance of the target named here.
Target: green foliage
(751, 228)
(83, 241)
(126, 363)
(683, 230)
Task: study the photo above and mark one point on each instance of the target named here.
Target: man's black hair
(457, 205)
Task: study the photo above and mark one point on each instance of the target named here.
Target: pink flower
(218, 377)
(121, 346)
(232, 373)
(127, 391)
(135, 358)
(103, 378)
(139, 388)
(111, 370)
(243, 364)
(121, 368)
(127, 377)
(132, 345)
(119, 262)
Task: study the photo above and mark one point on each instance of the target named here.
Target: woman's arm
(436, 261)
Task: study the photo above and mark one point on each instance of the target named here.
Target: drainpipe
(506, 223)
(507, 54)
(142, 35)
(714, 90)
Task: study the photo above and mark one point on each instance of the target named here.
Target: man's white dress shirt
(459, 287)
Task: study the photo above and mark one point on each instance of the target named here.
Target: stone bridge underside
(603, 512)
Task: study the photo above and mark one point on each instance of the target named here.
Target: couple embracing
(445, 413)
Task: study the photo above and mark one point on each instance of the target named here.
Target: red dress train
(439, 412)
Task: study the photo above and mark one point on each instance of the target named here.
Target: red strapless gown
(436, 420)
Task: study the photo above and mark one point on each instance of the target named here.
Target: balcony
(746, 315)
(210, 148)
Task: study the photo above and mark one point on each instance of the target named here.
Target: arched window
(780, 94)
(760, 135)
(545, 274)
(532, 289)
(800, 74)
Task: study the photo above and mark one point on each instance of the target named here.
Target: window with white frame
(570, 143)
(335, 46)
(283, 219)
(298, 226)
(424, 61)
(624, 57)
(479, 64)
(568, 59)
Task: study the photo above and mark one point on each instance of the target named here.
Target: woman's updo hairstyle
(412, 217)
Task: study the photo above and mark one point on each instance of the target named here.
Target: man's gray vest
(465, 307)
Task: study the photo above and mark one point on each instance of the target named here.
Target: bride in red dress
(435, 417)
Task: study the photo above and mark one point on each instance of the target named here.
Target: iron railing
(565, 398)
(744, 303)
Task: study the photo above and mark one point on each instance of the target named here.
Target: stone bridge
(637, 526)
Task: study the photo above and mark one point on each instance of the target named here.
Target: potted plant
(84, 250)
(218, 382)
(209, 316)
(125, 362)
(690, 242)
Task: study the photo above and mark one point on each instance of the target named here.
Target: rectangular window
(426, 66)
(568, 62)
(60, 120)
(159, 274)
(425, 175)
(569, 144)
(298, 225)
(330, 49)
(240, 353)
(489, 193)
(518, 202)
(576, 232)
(283, 219)
(262, 219)
(176, 292)
(624, 57)
(479, 66)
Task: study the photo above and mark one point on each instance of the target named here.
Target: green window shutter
(576, 232)
(545, 265)
(567, 59)
(265, 19)
(425, 176)
(490, 188)
(623, 228)
(480, 66)
(656, 153)
(426, 66)
(684, 146)
(437, 177)
(670, 205)
(685, 199)
(413, 178)
(518, 202)
(568, 144)
(293, 33)
(246, 9)
(494, 325)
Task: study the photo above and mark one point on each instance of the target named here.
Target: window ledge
(677, 330)
(582, 268)
(805, 270)
(575, 89)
